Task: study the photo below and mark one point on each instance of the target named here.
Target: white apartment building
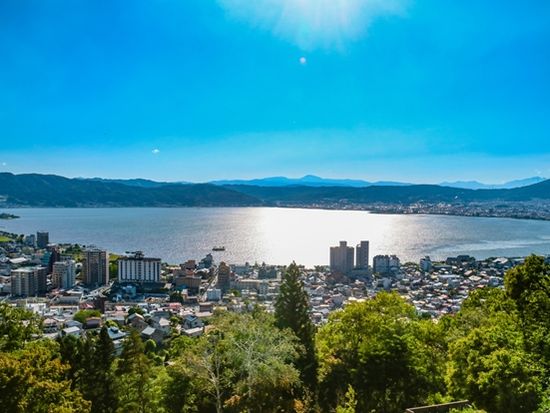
(63, 274)
(138, 268)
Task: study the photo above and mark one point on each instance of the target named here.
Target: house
(192, 321)
(92, 322)
(137, 321)
(151, 333)
(50, 325)
(117, 336)
(162, 324)
(71, 331)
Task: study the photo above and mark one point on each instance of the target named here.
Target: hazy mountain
(391, 194)
(316, 181)
(144, 183)
(507, 185)
(308, 180)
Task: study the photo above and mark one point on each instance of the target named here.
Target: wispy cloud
(312, 24)
(155, 151)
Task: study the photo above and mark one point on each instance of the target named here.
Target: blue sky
(412, 90)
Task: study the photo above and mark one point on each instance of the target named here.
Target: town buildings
(341, 258)
(138, 268)
(362, 255)
(385, 264)
(63, 274)
(28, 281)
(224, 277)
(95, 267)
(42, 239)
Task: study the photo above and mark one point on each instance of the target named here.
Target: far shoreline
(355, 208)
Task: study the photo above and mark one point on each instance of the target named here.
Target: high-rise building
(385, 264)
(381, 264)
(362, 255)
(341, 258)
(426, 264)
(138, 268)
(224, 277)
(42, 239)
(28, 281)
(30, 240)
(95, 267)
(63, 274)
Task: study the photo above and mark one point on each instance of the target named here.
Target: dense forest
(374, 356)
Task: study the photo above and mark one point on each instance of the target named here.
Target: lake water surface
(280, 235)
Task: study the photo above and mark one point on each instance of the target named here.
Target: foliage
(17, 326)
(243, 364)
(134, 373)
(292, 312)
(82, 315)
(528, 286)
(391, 358)
(350, 402)
(32, 380)
(489, 367)
(90, 369)
(137, 310)
(496, 358)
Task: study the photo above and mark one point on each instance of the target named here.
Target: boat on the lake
(218, 248)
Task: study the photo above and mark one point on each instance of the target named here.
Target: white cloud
(303, 60)
(312, 24)
(155, 151)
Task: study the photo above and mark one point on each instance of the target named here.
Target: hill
(392, 194)
(56, 191)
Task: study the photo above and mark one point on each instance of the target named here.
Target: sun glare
(312, 24)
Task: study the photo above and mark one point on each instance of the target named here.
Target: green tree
(17, 327)
(292, 312)
(391, 358)
(528, 285)
(134, 376)
(490, 367)
(33, 380)
(243, 364)
(104, 398)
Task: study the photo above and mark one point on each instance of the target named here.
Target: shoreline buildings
(341, 258)
(95, 267)
(362, 255)
(138, 268)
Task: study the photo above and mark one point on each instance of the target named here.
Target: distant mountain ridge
(518, 183)
(56, 191)
(307, 180)
(312, 180)
(316, 181)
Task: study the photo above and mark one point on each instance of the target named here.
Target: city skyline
(198, 91)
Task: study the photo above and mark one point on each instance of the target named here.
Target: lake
(280, 235)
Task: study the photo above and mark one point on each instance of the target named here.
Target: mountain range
(316, 181)
(56, 191)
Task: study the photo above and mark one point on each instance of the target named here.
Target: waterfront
(280, 235)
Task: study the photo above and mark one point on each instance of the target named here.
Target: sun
(312, 24)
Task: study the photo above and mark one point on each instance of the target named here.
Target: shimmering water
(280, 235)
